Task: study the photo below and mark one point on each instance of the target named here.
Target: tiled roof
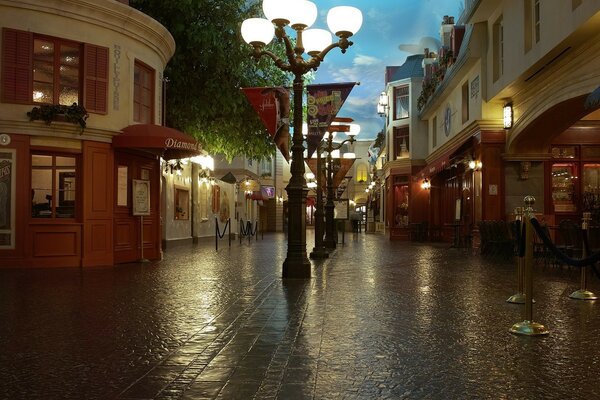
(412, 68)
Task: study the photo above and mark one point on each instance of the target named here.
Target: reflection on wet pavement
(378, 320)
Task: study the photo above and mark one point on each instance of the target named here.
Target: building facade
(81, 109)
(504, 105)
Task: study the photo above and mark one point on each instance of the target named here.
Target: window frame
(55, 184)
(57, 63)
(138, 98)
(398, 95)
(401, 134)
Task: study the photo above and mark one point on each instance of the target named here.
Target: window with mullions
(56, 77)
(53, 186)
(41, 69)
(143, 94)
(401, 102)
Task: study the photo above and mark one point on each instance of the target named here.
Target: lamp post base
(583, 294)
(518, 298)
(296, 268)
(319, 253)
(529, 328)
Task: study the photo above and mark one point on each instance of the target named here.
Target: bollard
(528, 327)
(519, 297)
(583, 293)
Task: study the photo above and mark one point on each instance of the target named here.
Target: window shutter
(17, 66)
(95, 88)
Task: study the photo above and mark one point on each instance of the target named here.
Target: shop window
(53, 186)
(8, 183)
(143, 93)
(563, 187)
(182, 203)
(49, 70)
(361, 173)
(591, 187)
(401, 102)
(564, 152)
(401, 202)
(401, 142)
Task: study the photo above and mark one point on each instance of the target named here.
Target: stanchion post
(229, 222)
(216, 234)
(519, 297)
(528, 327)
(583, 293)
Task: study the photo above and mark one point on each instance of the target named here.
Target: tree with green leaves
(210, 65)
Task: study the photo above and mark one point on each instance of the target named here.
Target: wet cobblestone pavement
(378, 320)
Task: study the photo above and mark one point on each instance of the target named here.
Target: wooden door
(128, 227)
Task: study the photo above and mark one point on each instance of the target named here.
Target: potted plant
(74, 114)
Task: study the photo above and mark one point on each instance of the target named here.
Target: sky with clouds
(386, 25)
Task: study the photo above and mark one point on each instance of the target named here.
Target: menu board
(141, 197)
(341, 209)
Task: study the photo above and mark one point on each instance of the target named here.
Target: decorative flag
(324, 102)
(373, 153)
(273, 107)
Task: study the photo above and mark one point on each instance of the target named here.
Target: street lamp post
(319, 250)
(330, 240)
(258, 32)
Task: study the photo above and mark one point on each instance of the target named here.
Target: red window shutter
(95, 89)
(17, 66)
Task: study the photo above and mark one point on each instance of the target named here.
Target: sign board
(341, 209)
(141, 197)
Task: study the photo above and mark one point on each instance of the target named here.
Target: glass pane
(43, 50)
(65, 193)
(43, 71)
(563, 187)
(564, 152)
(65, 161)
(43, 93)
(147, 97)
(41, 193)
(69, 76)
(68, 95)
(41, 161)
(69, 55)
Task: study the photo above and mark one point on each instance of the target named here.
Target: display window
(53, 186)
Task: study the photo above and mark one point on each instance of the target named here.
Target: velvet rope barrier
(591, 260)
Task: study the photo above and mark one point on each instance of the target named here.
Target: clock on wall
(4, 139)
(447, 119)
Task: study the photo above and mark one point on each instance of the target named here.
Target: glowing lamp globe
(344, 20)
(257, 31)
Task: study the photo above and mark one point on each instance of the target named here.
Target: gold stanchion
(519, 297)
(583, 293)
(528, 326)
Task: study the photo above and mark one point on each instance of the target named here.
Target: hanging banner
(312, 165)
(324, 102)
(272, 104)
(345, 165)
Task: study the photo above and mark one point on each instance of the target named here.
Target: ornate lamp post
(330, 240)
(258, 32)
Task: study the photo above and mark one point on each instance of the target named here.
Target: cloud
(362, 59)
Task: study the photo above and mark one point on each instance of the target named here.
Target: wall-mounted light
(508, 116)
(382, 104)
(475, 165)
(426, 185)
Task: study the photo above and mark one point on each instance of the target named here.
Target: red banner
(324, 102)
(272, 105)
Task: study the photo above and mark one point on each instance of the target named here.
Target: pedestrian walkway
(378, 320)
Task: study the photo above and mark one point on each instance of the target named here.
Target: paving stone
(378, 320)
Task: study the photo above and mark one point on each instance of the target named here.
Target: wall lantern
(475, 165)
(426, 185)
(508, 116)
(383, 104)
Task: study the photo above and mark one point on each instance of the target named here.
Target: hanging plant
(74, 114)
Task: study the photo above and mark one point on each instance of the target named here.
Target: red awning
(445, 160)
(169, 143)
